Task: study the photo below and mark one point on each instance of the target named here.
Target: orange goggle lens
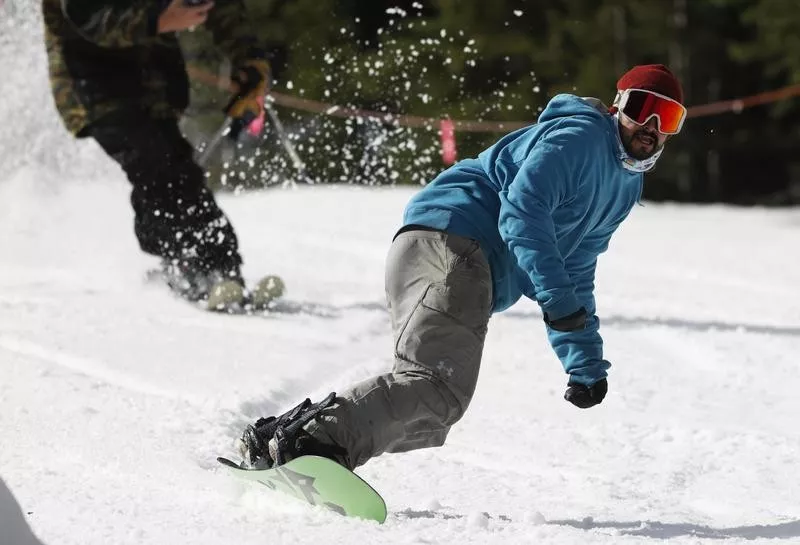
(639, 106)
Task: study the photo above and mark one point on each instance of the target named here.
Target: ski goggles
(639, 106)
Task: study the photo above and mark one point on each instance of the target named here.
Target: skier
(118, 76)
(529, 216)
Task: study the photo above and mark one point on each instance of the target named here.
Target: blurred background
(488, 67)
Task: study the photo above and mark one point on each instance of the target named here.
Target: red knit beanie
(652, 77)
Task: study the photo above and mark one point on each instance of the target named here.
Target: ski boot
(265, 292)
(273, 441)
(225, 293)
(214, 289)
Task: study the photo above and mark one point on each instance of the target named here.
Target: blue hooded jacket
(543, 203)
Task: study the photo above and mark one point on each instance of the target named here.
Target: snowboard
(318, 481)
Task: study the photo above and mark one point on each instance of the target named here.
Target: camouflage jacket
(106, 57)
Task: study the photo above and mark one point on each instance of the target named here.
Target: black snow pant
(176, 216)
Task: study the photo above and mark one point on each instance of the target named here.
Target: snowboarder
(529, 216)
(118, 76)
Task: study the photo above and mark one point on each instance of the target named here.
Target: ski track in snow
(84, 366)
(115, 397)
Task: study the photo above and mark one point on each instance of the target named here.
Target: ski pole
(224, 129)
(213, 144)
(287, 143)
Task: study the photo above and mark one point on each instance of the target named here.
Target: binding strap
(290, 424)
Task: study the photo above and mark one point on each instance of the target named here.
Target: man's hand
(180, 16)
(586, 396)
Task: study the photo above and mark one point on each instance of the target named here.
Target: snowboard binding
(274, 441)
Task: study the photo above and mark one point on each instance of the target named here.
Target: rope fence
(447, 128)
(333, 110)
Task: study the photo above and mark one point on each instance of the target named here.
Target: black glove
(571, 322)
(586, 396)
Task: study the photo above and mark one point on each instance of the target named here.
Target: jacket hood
(565, 105)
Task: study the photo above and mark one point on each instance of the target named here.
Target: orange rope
(308, 105)
(738, 104)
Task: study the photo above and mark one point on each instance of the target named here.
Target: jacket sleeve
(549, 178)
(114, 23)
(542, 184)
(581, 351)
(234, 32)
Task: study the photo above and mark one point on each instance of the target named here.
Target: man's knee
(445, 401)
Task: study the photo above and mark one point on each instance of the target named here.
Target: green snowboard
(319, 481)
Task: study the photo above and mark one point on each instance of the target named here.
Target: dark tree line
(503, 60)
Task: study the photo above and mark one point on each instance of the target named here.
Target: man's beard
(640, 154)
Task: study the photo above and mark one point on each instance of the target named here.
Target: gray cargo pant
(439, 291)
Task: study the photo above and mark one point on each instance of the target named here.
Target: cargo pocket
(445, 332)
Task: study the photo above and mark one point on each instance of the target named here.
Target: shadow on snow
(680, 323)
(651, 529)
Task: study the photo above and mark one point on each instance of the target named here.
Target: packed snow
(116, 397)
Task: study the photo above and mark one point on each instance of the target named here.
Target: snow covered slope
(115, 397)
